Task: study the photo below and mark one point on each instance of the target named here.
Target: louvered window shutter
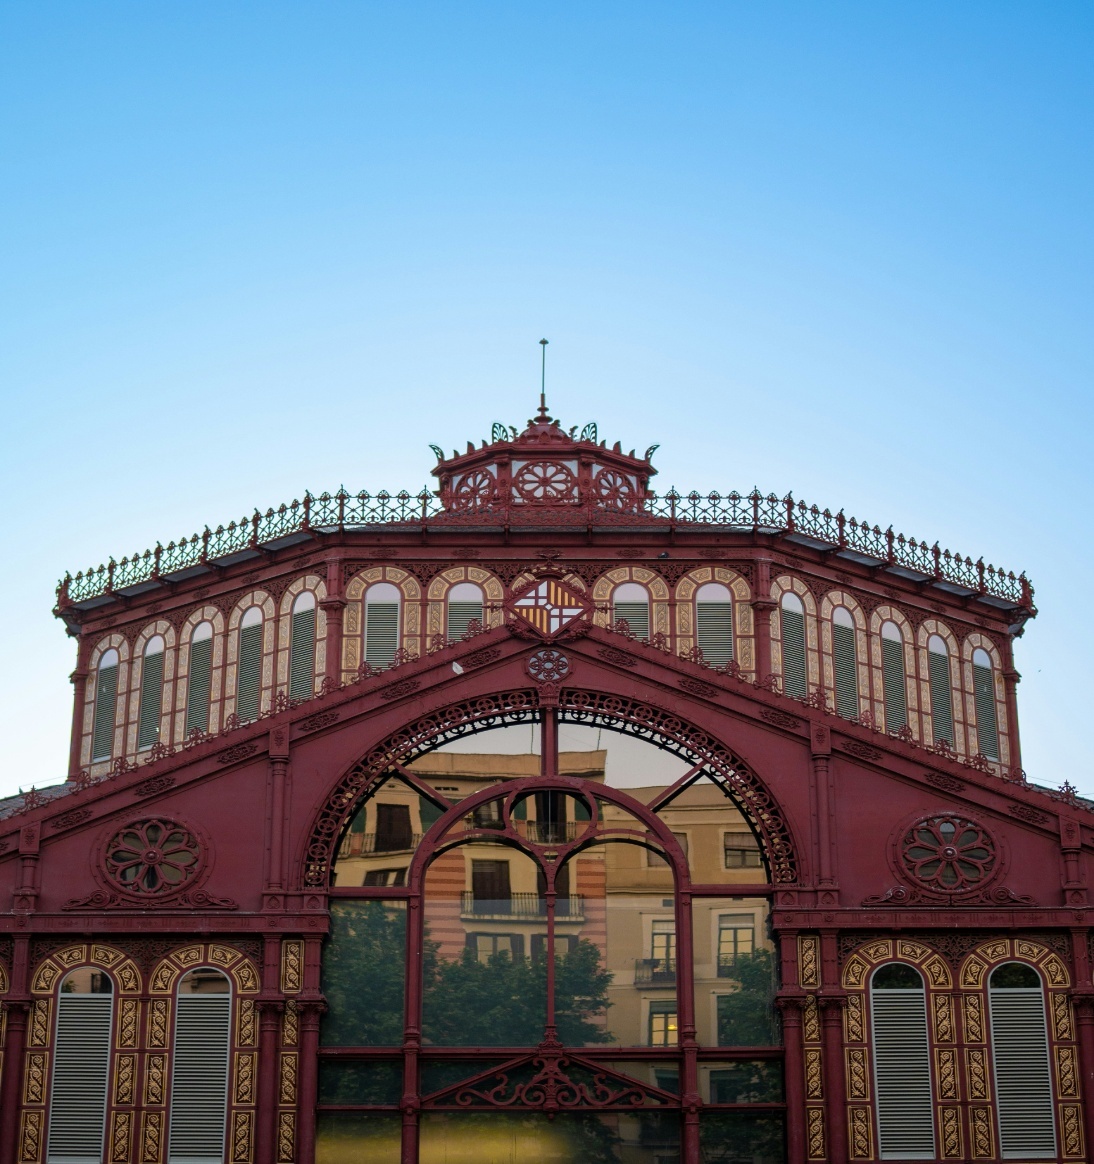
(199, 686)
(106, 702)
(637, 616)
(302, 655)
(896, 695)
(249, 683)
(1023, 1078)
(793, 635)
(381, 633)
(987, 725)
(938, 674)
(460, 615)
(846, 670)
(77, 1109)
(151, 706)
(902, 1074)
(199, 1078)
(714, 631)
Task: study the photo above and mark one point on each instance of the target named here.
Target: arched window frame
(212, 616)
(829, 606)
(878, 618)
(979, 642)
(927, 629)
(654, 584)
(117, 643)
(262, 601)
(315, 586)
(626, 604)
(164, 630)
(437, 600)
(744, 648)
(353, 617)
(786, 584)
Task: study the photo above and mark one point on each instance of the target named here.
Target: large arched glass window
(631, 604)
(382, 602)
(983, 689)
(845, 662)
(302, 647)
(938, 680)
(714, 623)
(151, 702)
(106, 706)
(902, 1063)
(81, 1068)
(199, 685)
(249, 675)
(1020, 1058)
(894, 689)
(792, 625)
(199, 1068)
(465, 606)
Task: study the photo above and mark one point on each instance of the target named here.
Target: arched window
(200, 681)
(249, 675)
(845, 662)
(792, 621)
(381, 624)
(199, 1069)
(983, 689)
(106, 706)
(151, 702)
(302, 647)
(1019, 1049)
(902, 1063)
(892, 676)
(714, 623)
(938, 679)
(631, 603)
(465, 602)
(81, 1067)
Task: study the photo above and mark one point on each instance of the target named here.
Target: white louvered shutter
(199, 1079)
(846, 670)
(987, 724)
(902, 1075)
(77, 1107)
(793, 635)
(714, 631)
(249, 683)
(938, 674)
(151, 704)
(896, 695)
(636, 615)
(381, 633)
(1023, 1078)
(461, 615)
(106, 700)
(302, 655)
(199, 686)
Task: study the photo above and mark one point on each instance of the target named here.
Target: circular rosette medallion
(548, 666)
(544, 481)
(948, 853)
(152, 858)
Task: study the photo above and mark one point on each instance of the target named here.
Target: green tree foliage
(746, 1018)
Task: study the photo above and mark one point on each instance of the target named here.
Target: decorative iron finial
(543, 381)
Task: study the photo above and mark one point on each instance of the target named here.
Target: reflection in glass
(363, 971)
(363, 1083)
(355, 1137)
(382, 836)
(745, 1081)
(735, 973)
(742, 1138)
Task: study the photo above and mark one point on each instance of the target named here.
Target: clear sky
(843, 249)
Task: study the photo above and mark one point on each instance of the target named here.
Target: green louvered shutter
(151, 705)
(896, 694)
(460, 615)
(106, 702)
(199, 686)
(637, 616)
(793, 635)
(302, 655)
(938, 675)
(846, 669)
(381, 633)
(987, 725)
(714, 631)
(249, 682)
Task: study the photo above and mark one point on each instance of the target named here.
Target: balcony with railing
(373, 844)
(520, 907)
(655, 972)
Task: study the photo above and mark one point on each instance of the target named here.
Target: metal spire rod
(543, 379)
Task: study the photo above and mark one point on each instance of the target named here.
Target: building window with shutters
(81, 1068)
(741, 850)
(382, 602)
(1020, 1062)
(199, 683)
(249, 673)
(302, 647)
(714, 623)
(845, 663)
(941, 691)
(106, 706)
(902, 1064)
(893, 681)
(631, 604)
(792, 626)
(150, 708)
(983, 690)
(199, 1068)
(465, 606)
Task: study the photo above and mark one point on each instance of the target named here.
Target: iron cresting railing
(752, 512)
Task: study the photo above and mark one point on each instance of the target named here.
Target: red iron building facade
(241, 929)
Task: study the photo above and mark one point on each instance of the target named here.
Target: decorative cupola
(544, 469)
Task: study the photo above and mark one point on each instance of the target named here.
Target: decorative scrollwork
(548, 665)
(540, 481)
(615, 490)
(153, 858)
(474, 491)
(948, 853)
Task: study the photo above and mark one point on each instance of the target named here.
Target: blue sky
(843, 249)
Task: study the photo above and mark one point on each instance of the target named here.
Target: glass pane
(439, 1074)
(746, 1081)
(742, 1138)
(367, 1083)
(382, 836)
(358, 1138)
(735, 973)
(363, 971)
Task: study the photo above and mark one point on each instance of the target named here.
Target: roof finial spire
(543, 381)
